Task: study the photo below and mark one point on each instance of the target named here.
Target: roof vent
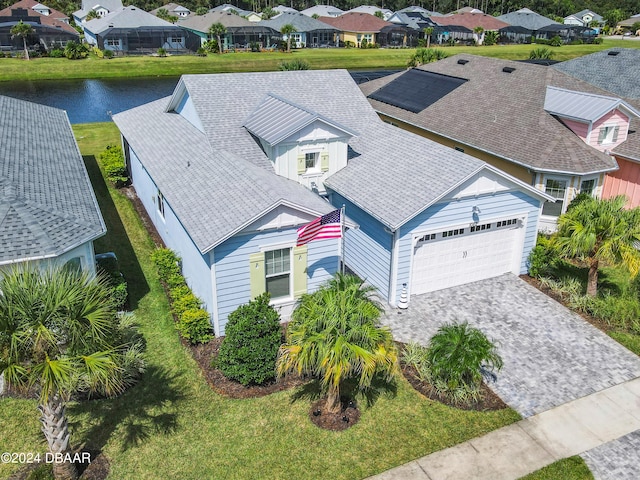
(508, 69)
(462, 61)
(613, 54)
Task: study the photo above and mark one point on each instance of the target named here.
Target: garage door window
(557, 189)
(479, 228)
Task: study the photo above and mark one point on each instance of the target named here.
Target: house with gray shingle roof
(616, 70)
(309, 31)
(585, 18)
(508, 114)
(231, 165)
(132, 30)
(527, 19)
(322, 11)
(48, 210)
(100, 7)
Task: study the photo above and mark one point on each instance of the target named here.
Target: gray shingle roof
(391, 174)
(301, 22)
(617, 74)
(503, 114)
(527, 19)
(275, 119)
(47, 204)
(127, 17)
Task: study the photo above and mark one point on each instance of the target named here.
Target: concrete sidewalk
(530, 444)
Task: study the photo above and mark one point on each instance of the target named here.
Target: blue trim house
(230, 165)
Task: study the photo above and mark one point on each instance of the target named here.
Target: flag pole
(342, 239)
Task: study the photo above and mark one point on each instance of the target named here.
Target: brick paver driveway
(551, 355)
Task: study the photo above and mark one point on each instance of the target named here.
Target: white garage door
(463, 255)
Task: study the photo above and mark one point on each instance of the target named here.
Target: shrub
(296, 64)
(75, 51)
(543, 258)
(597, 40)
(249, 350)
(56, 53)
(107, 54)
(175, 280)
(541, 53)
(201, 52)
(115, 169)
(620, 312)
(108, 267)
(459, 357)
(167, 263)
(186, 302)
(179, 291)
(162, 52)
(194, 326)
(211, 46)
(555, 41)
(578, 199)
(349, 44)
(490, 38)
(416, 356)
(119, 294)
(577, 41)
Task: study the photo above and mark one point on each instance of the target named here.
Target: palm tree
(288, 30)
(217, 30)
(426, 55)
(428, 31)
(600, 230)
(478, 33)
(335, 337)
(22, 30)
(55, 327)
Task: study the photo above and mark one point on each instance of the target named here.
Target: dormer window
(608, 134)
(311, 161)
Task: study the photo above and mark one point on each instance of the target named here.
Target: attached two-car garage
(454, 256)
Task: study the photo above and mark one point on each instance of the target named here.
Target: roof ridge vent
(463, 61)
(508, 69)
(613, 53)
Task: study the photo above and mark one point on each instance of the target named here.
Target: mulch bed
(204, 353)
(596, 322)
(345, 418)
(130, 193)
(489, 401)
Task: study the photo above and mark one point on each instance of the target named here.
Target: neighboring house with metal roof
(240, 32)
(616, 70)
(100, 7)
(50, 27)
(322, 11)
(48, 210)
(365, 29)
(134, 31)
(514, 116)
(309, 31)
(231, 165)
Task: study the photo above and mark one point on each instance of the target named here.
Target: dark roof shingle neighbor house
(51, 27)
(616, 70)
(499, 111)
(48, 210)
(231, 165)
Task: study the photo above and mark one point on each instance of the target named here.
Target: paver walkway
(577, 388)
(596, 424)
(551, 355)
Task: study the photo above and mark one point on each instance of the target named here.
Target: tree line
(611, 10)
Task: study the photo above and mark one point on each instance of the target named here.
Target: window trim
(160, 204)
(565, 198)
(271, 248)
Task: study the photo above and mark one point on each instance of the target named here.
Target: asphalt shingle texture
(47, 204)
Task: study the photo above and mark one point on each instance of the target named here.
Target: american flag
(326, 226)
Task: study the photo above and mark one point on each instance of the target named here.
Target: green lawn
(572, 468)
(319, 58)
(172, 425)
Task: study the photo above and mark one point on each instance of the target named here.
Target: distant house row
(111, 26)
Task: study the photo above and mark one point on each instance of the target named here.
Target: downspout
(393, 277)
(214, 292)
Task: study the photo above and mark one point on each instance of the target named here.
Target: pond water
(89, 101)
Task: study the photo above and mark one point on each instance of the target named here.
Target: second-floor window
(311, 160)
(608, 134)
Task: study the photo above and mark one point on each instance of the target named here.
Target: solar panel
(416, 89)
